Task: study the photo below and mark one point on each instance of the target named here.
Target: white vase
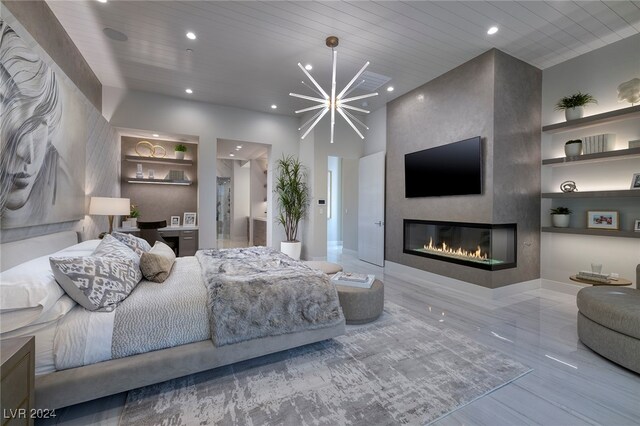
(133, 222)
(573, 149)
(560, 220)
(179, 155)
(291, 249)
(574, 113)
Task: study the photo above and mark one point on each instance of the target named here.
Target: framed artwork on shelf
(597, 219)
(175, 220)
(636, 226)
(635, 181)
(189, 219)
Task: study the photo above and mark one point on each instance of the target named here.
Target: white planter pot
(291, 249)
(573, 149)
(179, 155)
(560, 220)
(574, 113)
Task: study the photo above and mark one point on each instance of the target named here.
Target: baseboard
(420, 277)
(561, 287)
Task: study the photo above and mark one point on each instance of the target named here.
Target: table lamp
(109, 206)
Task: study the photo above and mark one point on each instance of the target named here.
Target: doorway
(242, 193)
(342, 207)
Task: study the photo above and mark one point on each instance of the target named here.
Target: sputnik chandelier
(332, 103)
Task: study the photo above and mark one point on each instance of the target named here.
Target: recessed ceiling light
(155, 135)
(308, 67)
(232, 155)
(189, 91)
(390, 89)
(191, 35)
(238, 146)
(102, 1)
(274, 106)
(237, 149)
(492, 30)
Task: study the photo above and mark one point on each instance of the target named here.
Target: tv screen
(453, 169)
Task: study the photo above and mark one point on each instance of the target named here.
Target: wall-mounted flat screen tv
(452, 169)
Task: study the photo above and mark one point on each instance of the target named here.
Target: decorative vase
(179, 155)
(133, 222)
(291, 249)
(572, 149)
(560, 220)
(574, 113)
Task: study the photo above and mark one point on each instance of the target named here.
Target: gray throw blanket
(258, 291)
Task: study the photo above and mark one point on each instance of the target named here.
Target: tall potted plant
(573, 106)
(292, 193)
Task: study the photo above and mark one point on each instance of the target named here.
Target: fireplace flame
(457, 252)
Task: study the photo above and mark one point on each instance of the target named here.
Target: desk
(618, 282)
(186, 237)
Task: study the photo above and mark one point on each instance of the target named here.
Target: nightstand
(18, 379)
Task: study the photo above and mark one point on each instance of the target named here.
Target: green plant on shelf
(134, 213)
(180, 148)
(576, 100)
(561, 210)
(573, 141)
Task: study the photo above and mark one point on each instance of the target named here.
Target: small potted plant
(560, 217)
(134, 214)
(573, 148)
(573, 106)
(179, 151)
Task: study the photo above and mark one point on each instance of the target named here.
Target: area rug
(397, 370)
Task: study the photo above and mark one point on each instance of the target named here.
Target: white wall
(334, 223)
(240, 204)
(599, 73)
(376, 136)
(160, 113)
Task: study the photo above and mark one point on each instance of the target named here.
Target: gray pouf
(326, 267)
(361, 305)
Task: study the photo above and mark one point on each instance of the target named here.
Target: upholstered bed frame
(75, 385)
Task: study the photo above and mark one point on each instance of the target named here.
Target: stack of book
(593, 276)
(351, 279)
(598, 143)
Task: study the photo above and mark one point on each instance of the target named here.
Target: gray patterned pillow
(100, 281)
(138, 245)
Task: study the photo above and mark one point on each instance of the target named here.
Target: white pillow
(32, 284)
(16, 319)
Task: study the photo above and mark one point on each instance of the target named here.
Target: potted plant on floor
(292, 194)
(179, 151)
(573, 106)
(560, 217)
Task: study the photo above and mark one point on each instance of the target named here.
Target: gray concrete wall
(46, 30)
(458, 105)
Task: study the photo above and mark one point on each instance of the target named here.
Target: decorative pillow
(138, 245)
(100, 281)
(156, 264)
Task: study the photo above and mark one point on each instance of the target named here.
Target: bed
(216, 308)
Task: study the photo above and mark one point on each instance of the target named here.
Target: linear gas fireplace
(478, 245)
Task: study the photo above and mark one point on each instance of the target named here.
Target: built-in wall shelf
(161, 181)
(620, 154)
(137, 159)
(621, 193)
(596, 232)
(594, 120)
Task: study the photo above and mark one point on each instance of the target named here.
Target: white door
(371, 209)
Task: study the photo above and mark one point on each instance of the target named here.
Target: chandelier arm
(311, 119)
(312, 88)
(310, 108)
(315, 122)
(355, 98)
(354, 87)
(355, 77)
(315, 83)
(333, 93)
(364, 111)
(350, 123)
(354, 118)
(311, 98)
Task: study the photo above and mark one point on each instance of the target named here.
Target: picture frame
(635, 181)
(636, 226)
(603, 219)
(189, 219)
(175, 221)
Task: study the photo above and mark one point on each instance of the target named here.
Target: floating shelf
(622, 193)
(620, 154)
(594, 120)
(596, 232)
(137, 159)
(161, 181)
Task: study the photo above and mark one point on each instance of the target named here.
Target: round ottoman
(361, 305)
(326, 267)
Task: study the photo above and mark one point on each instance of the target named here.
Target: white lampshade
(109, 206)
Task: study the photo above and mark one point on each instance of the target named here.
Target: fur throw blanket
(258, 291)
